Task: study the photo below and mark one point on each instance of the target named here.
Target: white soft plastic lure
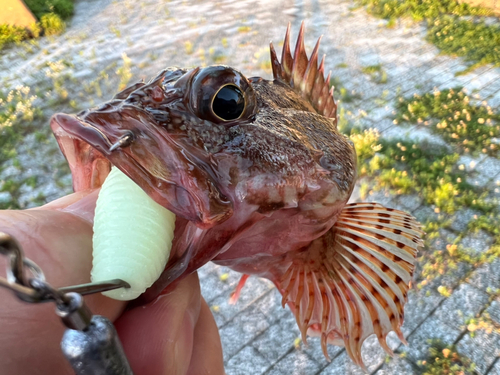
(132, 236)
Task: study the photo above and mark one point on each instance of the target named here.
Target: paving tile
(295, 363)
(477, 243)
(278, 339)
(254, 289)
(313, 349)
(432, 328)
(397, 365)
(469, 163)
(445, 238)
(489, 167)
(486, 277)
(494, 311)
(481, 347)
(383, 197)
(241, 330)
(495, 370)
(342, 365)
(461, 219)
(465, 303)
(410, 202)
(425, 214)
(270, 306)
(212, 285)
(372, 353)
(248, 359)
(419, 306)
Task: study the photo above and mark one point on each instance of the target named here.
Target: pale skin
(175, 334)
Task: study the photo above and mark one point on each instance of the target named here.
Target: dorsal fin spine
(286, 55)
(277, 74)
(303, 74)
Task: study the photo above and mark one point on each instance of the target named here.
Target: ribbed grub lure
(132, 236)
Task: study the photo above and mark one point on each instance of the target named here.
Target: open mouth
(158, 251)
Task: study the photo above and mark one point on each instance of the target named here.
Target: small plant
(341, 93)
(366, 145)
(12, 34)
(376, 73)
(63, 8)
(51, 14)
(52, 24)
(444, 360)
(244, 29)
(476, 41)
(124, 72)
(452, 114)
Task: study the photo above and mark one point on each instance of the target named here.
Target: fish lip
(188, 192)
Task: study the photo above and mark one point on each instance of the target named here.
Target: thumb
(57, 237)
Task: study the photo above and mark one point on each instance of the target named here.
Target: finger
(81, 204)
(206, 357)
(158, 337)
(61, 244)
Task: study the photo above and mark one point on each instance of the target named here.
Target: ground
(109, 43)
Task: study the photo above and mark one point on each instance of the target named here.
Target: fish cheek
(163, 167)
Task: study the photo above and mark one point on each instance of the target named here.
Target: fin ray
(353, 281)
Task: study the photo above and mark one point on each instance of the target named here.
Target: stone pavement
(258, 336)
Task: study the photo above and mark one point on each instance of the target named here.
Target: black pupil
(229, 103)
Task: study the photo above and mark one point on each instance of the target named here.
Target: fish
(259, 178)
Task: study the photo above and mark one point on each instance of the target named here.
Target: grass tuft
(476, 41)
(451, 113)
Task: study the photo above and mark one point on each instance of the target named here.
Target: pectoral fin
(353, 281)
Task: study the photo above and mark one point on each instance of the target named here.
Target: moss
(12, 34)
(63, 8)
(444, 359)
(52, 24)
(476, 41)
(452, 114)
(341, 93)
(366, 144)
(376, 73)
(420, 9)
(51, 15)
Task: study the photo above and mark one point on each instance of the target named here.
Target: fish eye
(228, 103)
(221, 95)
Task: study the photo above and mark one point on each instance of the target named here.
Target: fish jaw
(155, 162)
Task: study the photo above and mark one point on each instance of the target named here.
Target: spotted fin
(304, 75)
(353, 281)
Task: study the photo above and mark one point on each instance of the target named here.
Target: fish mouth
(163, 169)
(172, 175)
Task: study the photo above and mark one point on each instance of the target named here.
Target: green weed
(63, 8)
(451, 113)
(124, 72)
(244, 29)
(444, 359)
(51, 15)
(12, 34)
(476, 41)
(376, 72)
(341, 93)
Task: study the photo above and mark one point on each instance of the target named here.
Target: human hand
(176, 334)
